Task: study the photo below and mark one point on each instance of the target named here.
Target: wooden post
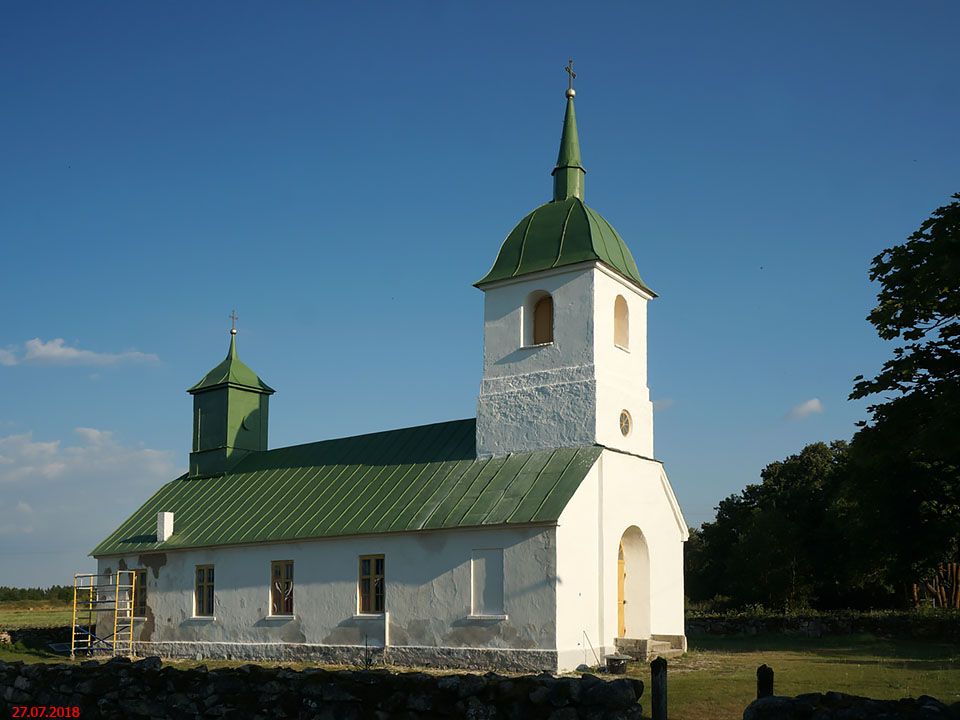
(658, 676)
(764, 681)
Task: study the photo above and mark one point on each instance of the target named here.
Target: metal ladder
(103, 612)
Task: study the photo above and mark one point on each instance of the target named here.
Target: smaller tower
(229, 415)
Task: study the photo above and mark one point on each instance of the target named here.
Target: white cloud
(24, 458)
(19, 528)
(54, 352)
(93, 436)
(59, 498)
(98, 458)
(664, 404)
(805, 409)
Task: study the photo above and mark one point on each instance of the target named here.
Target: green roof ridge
(403, 480)
(232, 371)
(563, 233)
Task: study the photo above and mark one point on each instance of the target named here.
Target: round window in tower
(625, 423)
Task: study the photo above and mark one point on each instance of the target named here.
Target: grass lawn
(29, 651)
(34, 613)
(717, 677)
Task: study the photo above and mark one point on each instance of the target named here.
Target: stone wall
(45, 634)
(894, 625)
(119, 688)
(839, 706)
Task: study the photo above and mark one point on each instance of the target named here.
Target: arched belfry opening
(621, 323)
(633, 585)
(538, 319)
(543, 321)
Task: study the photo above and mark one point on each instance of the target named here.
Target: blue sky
(341, 173)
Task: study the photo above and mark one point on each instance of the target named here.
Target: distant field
(34, 613)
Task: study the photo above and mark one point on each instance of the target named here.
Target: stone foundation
(403, 655)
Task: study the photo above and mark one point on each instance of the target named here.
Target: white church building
(541, 535)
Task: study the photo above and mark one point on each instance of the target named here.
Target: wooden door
(621, 629)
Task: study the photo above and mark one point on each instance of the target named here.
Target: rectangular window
(281, 587)
(371, 584)
(486, 575)
(140, 593)
(203, 598)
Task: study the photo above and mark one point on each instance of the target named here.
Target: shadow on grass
(29, 651)
(753, 643)
(893, 663)
(863, 645)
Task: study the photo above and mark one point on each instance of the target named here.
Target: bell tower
(565, 328)
(229, 414)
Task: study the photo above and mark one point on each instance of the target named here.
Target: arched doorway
(633, 585)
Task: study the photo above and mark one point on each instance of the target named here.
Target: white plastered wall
(428, 591)
(544, 396)
(569, 392)
(620, 491)
(621, 372)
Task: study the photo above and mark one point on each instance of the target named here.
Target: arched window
(543, 321)
(621, 323)
(537, 319)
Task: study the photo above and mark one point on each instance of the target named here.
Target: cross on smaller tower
(569, 68)
(233, 322)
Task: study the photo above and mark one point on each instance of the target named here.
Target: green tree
(776, 543)
(918, 302)
(906, 458)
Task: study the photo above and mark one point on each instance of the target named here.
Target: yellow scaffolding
(103, 612)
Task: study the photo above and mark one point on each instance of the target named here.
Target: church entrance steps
(647, 649)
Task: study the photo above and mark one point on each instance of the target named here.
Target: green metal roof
(418, 478)
(231, 372)
(558, 233)
(564, 231)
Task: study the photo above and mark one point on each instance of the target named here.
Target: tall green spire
(569, 173)
(563, 231)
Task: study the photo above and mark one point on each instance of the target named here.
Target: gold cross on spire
(233, 322)
(569, 68)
